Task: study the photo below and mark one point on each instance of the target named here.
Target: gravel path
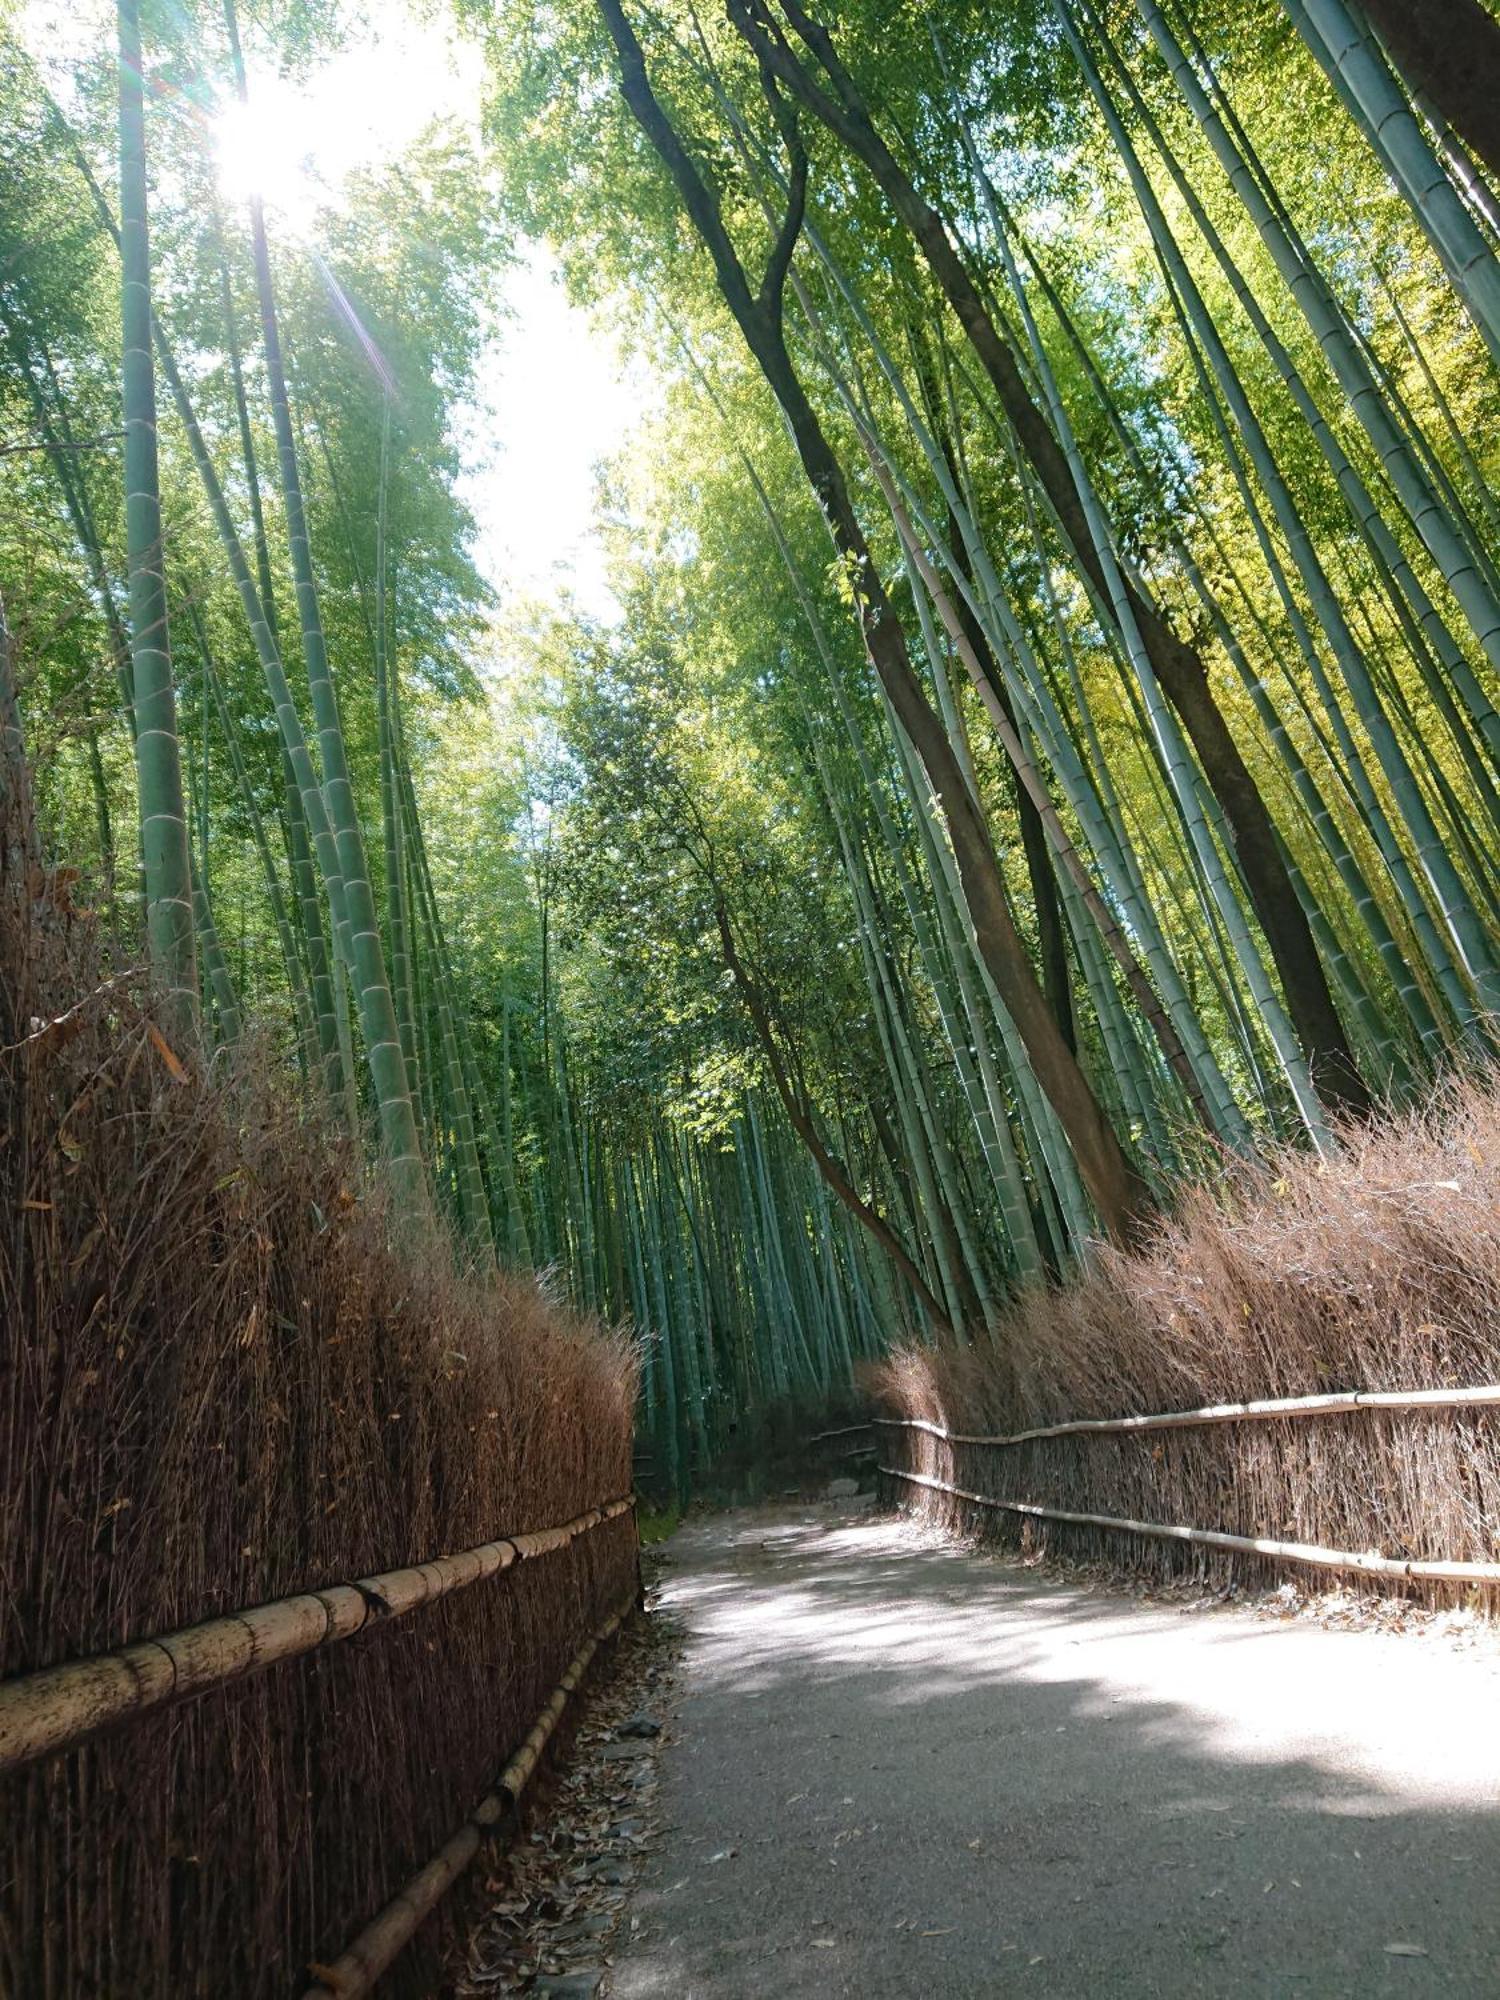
(898, 1769)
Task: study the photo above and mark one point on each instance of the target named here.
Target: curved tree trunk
(1120, 1197)
(1176, 664)
(797, 1110)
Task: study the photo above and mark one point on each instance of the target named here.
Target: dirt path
(896, 1769)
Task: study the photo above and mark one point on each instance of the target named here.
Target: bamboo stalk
(1218, 1413)
(170, 933)
(56, 1707)
(388, 1933)
(1214, 1538)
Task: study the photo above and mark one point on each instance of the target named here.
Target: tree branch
(798, 1111)
(773, 284)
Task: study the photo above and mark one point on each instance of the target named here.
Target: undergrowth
(1378, 1269)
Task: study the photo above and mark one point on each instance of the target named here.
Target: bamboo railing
(1215, 1413)
(388, 1933)
(849, 1430)
(1297, 1552)
(1485, 1395)
(56, 1707)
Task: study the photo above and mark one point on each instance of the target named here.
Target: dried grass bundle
(219, 1382)
(1378, 1270)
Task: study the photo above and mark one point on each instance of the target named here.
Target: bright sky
(552, 397)
(561, 402)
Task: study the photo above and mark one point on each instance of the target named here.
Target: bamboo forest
(710, 713)
(1043, 741)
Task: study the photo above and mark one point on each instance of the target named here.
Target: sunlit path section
(900, 1769)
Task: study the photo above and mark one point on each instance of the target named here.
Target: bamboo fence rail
(56, 1707)
(386, 1935)
(1298, 1552)
(1212, 1413)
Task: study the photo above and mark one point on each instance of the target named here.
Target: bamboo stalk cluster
(1097, 515)
(1249, 749)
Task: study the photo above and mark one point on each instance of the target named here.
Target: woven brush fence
(219, 1385)
(1378, 1271)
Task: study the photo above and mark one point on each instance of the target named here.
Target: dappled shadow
(903, 1769)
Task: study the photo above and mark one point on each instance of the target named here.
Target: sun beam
(262, 148)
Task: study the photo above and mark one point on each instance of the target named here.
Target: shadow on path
(899, 1769)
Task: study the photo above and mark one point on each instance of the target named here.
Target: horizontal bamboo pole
(56, 1707)
(849, 1430)
(1213, 1538)
(1222, 1413)
(387, 1934)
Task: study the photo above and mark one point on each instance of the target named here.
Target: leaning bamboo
(56, 1707)
(388, 1933)
(1218, 1413)
(1214, 1538)
(170, 933)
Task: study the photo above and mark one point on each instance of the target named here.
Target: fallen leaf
(172, 1066)
(1399, 1950)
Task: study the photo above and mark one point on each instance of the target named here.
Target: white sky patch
(299, 139)
(552, 398)
(561, 402)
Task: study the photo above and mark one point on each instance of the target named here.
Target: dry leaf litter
(557, 1899)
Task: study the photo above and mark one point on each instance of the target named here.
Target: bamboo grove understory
(1045, 747)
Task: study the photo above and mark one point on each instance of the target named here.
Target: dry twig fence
(1363, 1562)
(57, 1707)
(356, 1971)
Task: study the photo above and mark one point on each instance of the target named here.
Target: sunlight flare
(261, 148)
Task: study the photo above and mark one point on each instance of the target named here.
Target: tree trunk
(832, 1170)
(361, 946)
(1449, 51)
(1176, 664)
(164, 837)
(1120, 1197)
(1052, 939)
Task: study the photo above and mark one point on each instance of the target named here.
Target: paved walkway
(899, 1770)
